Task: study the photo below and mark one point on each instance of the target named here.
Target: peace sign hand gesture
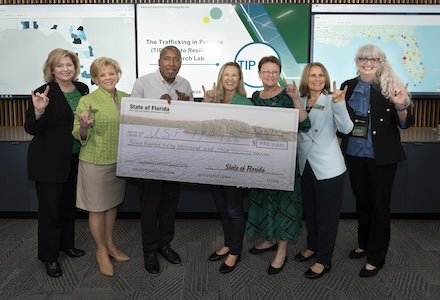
(40, 101)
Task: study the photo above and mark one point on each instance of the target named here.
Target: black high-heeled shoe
(312, 275)
(224, 268)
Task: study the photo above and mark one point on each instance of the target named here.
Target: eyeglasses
(169, 59)
(268, 73)
(372, 60)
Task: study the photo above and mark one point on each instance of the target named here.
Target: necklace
(267, 94)
(365, 87)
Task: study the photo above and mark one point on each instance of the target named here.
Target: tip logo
(248, 57)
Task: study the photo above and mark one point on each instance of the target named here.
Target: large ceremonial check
(208, 143)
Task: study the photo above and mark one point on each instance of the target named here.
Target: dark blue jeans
(229, 202)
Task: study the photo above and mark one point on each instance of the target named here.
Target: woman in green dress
(276, 215)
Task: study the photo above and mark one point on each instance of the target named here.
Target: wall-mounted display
(29, 32)
(408, 34)
(208, 35)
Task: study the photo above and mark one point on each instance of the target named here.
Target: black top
(50, 150)
(384, 125)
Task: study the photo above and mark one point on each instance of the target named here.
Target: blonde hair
(385, 75)
(304, 83)
(101, 62)
(219, 89)
(54, 57)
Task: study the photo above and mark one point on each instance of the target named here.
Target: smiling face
(107, 78)
(64, 70)
(231, 78)
(316, 81)
(169, 64)
(367, 67)
(269, 74)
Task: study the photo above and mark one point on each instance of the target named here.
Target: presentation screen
(29, 32)
(209, 35)
(408, 34)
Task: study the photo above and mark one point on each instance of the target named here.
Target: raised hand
(182, 96)
(291, 90)
(338, 95)
(40, 100)
(85, 120)
(208, 95)
(399, 96)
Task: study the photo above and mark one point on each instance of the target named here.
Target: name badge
(360, 128)
(318, 107)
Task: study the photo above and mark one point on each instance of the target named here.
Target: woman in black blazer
(53, 156)
(378, 104)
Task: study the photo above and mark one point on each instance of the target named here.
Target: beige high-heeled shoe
(119, 256)
(105, 266)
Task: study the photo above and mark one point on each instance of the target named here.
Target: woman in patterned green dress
(276, 215)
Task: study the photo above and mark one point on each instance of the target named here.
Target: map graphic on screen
(407, 35)
(29, 32)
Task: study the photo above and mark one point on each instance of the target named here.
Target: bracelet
(402, 109)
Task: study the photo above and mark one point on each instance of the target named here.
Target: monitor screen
(408, 34)
(209, 35)
(29, 32)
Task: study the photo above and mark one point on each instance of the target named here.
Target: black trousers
(229, 202)
(322, 201)
(158, 205)
(56, 215)
(372, 185)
